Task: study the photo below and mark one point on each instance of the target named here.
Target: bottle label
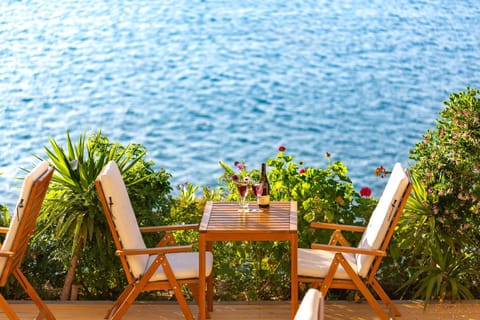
(264, 200)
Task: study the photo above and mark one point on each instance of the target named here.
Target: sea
(202, 81)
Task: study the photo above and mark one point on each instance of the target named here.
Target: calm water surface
(201, 81)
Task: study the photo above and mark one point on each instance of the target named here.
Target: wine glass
(257, 192)
(242, 188)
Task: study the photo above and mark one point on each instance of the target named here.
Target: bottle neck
(263, 176)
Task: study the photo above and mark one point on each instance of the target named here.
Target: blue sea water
(198, 81)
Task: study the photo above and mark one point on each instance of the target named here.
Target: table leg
(294, 276)
(202, 280)
(210, 282)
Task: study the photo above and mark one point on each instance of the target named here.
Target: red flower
(302, 171)
(282, 148)
(365, 192)
(235, 177)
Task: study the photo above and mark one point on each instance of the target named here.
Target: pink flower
(365, 192)
(282, 148)
(302, 171)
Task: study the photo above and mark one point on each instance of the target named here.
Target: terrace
(411, 310)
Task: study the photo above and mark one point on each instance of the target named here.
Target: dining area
(169, 266)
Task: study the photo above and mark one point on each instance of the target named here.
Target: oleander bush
(438, 235)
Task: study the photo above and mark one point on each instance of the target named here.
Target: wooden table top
(224, 220)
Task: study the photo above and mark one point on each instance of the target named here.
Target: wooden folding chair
(341, 266)
(165, 267)
(18, 234)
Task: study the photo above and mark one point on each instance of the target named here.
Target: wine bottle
(264, 200)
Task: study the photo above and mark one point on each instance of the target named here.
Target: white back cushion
(311, 307)
(382, 217)
(123, 216)
(30, 178)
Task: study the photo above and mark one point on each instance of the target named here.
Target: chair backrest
(384, 218)
(22, 223)
(121, 217)
(311, 307)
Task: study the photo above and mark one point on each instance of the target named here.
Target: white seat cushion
(184, 265)
(382, 217)
(30, 178)
(315, 263)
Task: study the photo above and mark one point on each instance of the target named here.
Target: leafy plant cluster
(439, 234)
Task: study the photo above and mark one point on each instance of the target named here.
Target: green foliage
(72, 220)
(439, 232)
(322, 194)
(4, 216)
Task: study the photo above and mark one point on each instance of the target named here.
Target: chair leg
(125, 301)
(362, 287)
(385, 298)
(7, 309)
(176, 287)
(44, 311)
(123, 296)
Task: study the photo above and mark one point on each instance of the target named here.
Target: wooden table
(221, 221)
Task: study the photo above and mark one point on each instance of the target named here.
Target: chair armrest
(156, 250)
(354, 250)
(169, 228)
(336, 226)
(6, 253)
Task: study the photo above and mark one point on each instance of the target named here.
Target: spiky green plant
(72, 210)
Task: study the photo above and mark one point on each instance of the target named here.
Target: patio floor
(91, 310)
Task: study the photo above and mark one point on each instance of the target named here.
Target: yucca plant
(72, 210)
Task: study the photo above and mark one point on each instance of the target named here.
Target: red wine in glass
(243, 191)
(257, 191)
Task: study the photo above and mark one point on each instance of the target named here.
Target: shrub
(440, 232)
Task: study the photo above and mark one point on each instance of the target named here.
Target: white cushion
(316, 263)
(28, 181)
(381, 217)
(123, 216)
(185, 265)
(311, 307)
